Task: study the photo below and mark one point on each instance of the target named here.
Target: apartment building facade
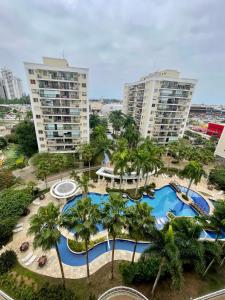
(160, 104)
(220, 148)
(59, 103)
(12, 85)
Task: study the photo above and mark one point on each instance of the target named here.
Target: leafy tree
(26, 137)
(113, 219)
(43, 170)
(43, 226)
(95, 121)
(29, 115)
(217, 177)
(100, 140)
(6, 179)
(59, 163)
(193, 171)
(140, 222)
(83, 218)
(6, 227)
(164, 247)
(132, 135)
(3, 142)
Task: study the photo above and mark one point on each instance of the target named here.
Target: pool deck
(52, 268)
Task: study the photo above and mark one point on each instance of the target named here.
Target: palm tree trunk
(46, 183)
(121, 181)
(212, 261)
(157, 277)
(137, 184)
(189, 186)
(222, 261)
(89, 164)
(87, 261)
(135, 247)
(61, 266)
(146, 179)
(113, 251)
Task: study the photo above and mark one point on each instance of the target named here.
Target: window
(31, 71)
(38, 116)
(83, 84)
(40, 131)
(32, 81)
(41, 139)
(35, 99)
(84, 75)
(153, 105)
(42, 145)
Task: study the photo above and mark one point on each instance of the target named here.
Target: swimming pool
(165, 200)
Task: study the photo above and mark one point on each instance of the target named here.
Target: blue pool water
(73, 259)
(165, 200)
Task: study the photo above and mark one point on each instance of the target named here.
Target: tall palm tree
(84, 184)
(215, 222)
(164, 247)
(116, 118)
(120, 159)
(43, 226)
(186, 235)
(139, 158)
(139, 222)
(113, 219)
(87, 155)
(83, 218)
(193, 171)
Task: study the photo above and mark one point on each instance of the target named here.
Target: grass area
(193, 285)
(14, 157)
(80, 246)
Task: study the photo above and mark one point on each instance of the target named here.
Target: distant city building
(203, 111)
(12, 85)
(2, 90)
(160, 104)
(220, 148)
(59, 103)
(95, 106)
(108, 108)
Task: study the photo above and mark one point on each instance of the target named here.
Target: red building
(215, 129)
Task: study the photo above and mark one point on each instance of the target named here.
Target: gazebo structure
(65, 189)
(108, 173)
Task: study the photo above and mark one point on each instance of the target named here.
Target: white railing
(5, 296)
(211, 295)
(122, 290)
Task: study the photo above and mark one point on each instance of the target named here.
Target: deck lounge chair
(18, 225)
(31, 260)
(26, 258)
(17, 229)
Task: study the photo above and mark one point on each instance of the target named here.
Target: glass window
(30, 71)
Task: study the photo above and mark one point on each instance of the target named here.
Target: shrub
(6, 227)
(3, 142)
(7, 260)
(143, 271)
(54, 292)
(217, 177)
(6, 179)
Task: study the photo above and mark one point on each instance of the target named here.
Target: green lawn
(12, 154)
(193, 285)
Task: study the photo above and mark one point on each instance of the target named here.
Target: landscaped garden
(156, 244)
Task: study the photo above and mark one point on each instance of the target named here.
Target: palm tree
(215, 222)
(163, 246)
(186, 234)
(59, 163)
(140, 222)
(83, 218)
(46, 234)
(84, 183)
(139, 158)
(120, 160)
(113, 219)
(87, 155)
(116, 118)
(193, 171)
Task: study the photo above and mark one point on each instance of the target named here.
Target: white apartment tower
(59, 103)
(12, 85)
(160, 104)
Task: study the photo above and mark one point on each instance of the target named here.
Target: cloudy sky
(120, 40)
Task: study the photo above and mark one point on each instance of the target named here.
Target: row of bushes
(80, 246)
(12, 206)
(8, 259)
